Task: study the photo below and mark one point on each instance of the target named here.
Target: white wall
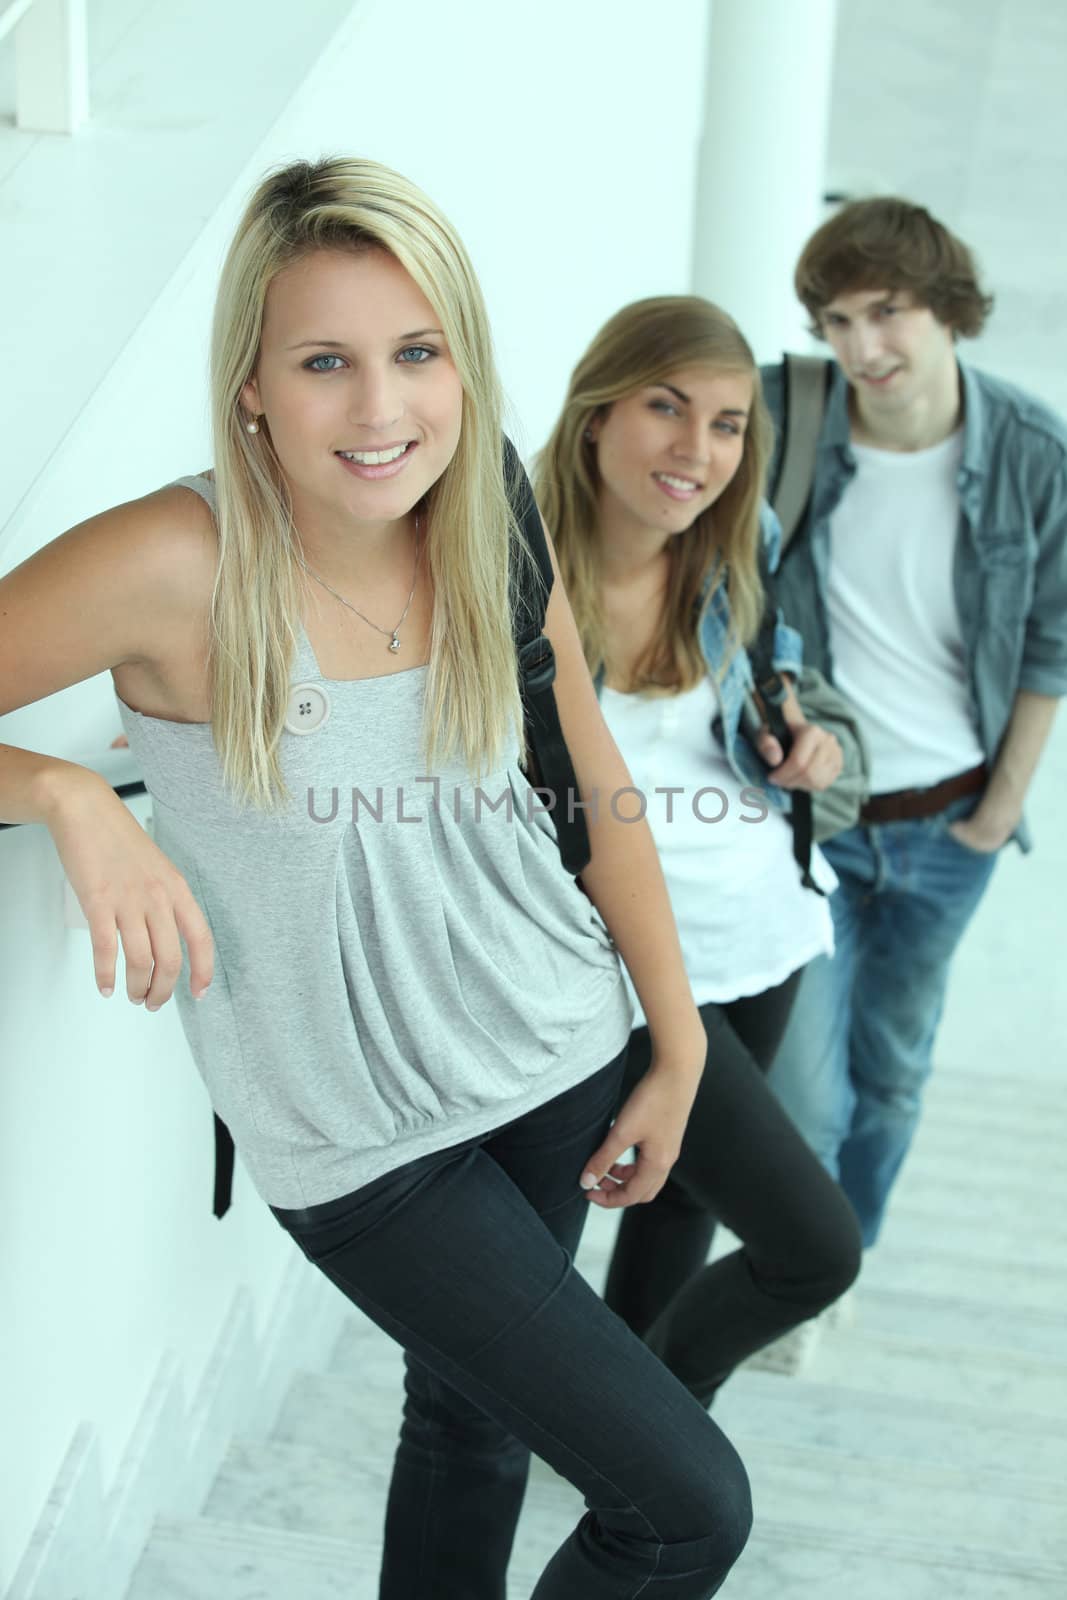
(753, 215)
(561, 140)
(960, 106)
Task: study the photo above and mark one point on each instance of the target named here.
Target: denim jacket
(736, 682)
(1010, 568)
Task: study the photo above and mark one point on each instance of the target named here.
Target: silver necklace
(392, 634)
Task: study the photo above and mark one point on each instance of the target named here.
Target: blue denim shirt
(1010, 568)
(737, 681)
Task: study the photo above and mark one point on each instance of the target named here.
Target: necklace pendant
(394, 643)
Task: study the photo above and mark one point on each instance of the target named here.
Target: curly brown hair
(889, 243)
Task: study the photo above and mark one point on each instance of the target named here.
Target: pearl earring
(588, 436)
(253, 426)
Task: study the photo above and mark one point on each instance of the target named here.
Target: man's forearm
(1001, 805)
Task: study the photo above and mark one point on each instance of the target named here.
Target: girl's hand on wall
(652, 1121)
(128, 888)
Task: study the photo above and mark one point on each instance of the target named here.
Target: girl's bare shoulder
(127, 588)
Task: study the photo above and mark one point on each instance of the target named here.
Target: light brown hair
(644, 344)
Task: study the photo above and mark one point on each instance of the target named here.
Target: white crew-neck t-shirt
(894, 627)
(744, 918)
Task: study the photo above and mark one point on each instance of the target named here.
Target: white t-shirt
(744, 918)
(894, 628)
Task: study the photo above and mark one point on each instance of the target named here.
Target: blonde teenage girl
(406, 1010)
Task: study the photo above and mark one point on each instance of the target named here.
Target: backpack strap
(771, 691)
(554, 771)
(531, 587)
(223, 1168)
(805, 388)
(807, 382)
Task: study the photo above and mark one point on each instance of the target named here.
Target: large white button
(308, 709)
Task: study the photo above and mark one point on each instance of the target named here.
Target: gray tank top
(398, 966)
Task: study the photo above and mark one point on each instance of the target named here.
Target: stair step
(923, 1432)
(1000, 1141)
(1007, 1233)
(921, 1220)
(1015, 1200)
(827, 1546)
(364, 1352)
(1029, 1097)
(344, 1495)
(891, 1267)
(334, 1413)
(208, 1560)
(967, 1192)
(794, 1561)
(920, 1367)
(1001, 1519)
(972, 1323)
(214, 1560)
(910, 1260)
(303, 1489)
(306, 1491)
(951, 1164)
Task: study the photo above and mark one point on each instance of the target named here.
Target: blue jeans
(464, 1257)
(857, 1051)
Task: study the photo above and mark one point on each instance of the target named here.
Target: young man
(929, 579)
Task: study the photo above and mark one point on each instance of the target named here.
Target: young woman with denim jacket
(651, 483)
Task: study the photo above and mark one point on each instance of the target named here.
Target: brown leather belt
(907, 805)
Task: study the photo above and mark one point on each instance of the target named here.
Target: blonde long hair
(643, 344)
(472, 699)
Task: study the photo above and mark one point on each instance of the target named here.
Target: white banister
(12, 14)
(51, 63)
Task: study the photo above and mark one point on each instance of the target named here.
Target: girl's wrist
(680, 1049)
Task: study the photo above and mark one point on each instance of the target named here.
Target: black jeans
(464, 1257)
(742, 1161)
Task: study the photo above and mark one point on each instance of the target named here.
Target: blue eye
(419, 354)
(313, 364)
(728, 427)
(664, 405)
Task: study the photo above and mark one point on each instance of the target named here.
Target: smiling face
(357, 386)
(890, 349)
(666, 452)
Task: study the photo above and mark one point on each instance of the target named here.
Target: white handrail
(51, 63)
(14, 14)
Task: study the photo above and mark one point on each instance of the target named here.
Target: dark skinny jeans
(465, 1258)
(742, 1161)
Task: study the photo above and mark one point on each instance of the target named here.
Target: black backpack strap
(223, 1168)
(551, 759)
